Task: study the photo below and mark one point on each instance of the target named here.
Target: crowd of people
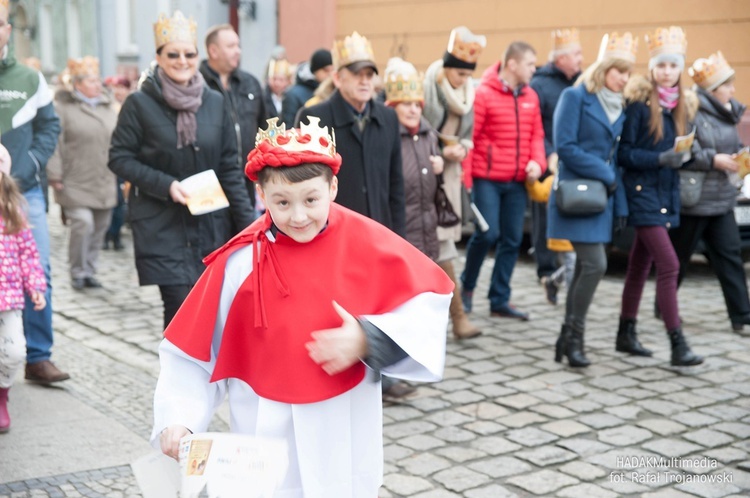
(401, 169)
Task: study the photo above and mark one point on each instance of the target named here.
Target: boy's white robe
(335, 446)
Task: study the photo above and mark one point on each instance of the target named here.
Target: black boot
(561, 343)
(574, 349)
(105, 244)
(682, 356)
(627, 339)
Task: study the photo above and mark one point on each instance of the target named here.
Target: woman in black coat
(711, 219)
(171, 128)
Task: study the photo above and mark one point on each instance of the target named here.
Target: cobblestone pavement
(505, 421)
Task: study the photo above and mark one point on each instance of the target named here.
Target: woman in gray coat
(83, 185)
(711, 219)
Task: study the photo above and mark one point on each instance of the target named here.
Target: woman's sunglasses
(177, 55)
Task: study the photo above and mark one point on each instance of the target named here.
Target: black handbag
(581, 197)
(446, 215)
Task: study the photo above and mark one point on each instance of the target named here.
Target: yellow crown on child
(618, 46)
(279, 67)
(710, 73)
(86, 66)
(353, 48)
(177, 28)
(319, 141)
(565, 39)
(465, 45)
(669, 40)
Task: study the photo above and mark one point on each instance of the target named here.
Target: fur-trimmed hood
(639, 89)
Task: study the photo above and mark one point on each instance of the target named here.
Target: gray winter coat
(716, 132)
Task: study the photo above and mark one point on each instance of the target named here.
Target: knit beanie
(678, 59)
(320, 59)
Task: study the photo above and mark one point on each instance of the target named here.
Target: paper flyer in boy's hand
(204, 193)
(684, 143)
(226, 465)
(743, 160)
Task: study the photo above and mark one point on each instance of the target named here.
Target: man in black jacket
(243, 95)
(309, 76)
(371, 180)
(549, 81)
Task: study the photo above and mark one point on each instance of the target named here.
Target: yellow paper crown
(565, 39)
(465, 45)
(618, 46)
(670, 40)
(319, 140)
(710, 73)
(87, 66)
(175, 29)
(353, 48)
(279, 67)
(399, 88)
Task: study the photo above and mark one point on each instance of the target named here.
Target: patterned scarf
(668, 97)
(185, 99)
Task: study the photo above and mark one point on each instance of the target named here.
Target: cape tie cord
(264, 260)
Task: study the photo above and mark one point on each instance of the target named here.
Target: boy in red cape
(294, 320)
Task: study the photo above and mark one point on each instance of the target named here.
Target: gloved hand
(671, 159)
(621, 222)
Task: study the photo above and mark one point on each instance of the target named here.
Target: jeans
(722, 239)
(118, 215)
(503, 205)
(652, 246)
(37, 325)
(590, 267)
(546, 260)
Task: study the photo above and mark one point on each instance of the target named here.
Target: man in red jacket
(508, 150)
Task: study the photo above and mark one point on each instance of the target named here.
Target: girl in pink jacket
(20, 269)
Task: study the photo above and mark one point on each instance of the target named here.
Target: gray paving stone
(601, 420)
(671, 447)
(492, 491)
(553, 411)
(583, 447)
(565, 428)
(663, 427)
(727, 455)
(627, 412)
(543, 482)
(485, 427)
(650, 374)
(695, 419)
(725, 412)
(690, 399)
(494, 445)
(429, 404)
(546, 455)
(460, 478)
(460, 454)
(480, 367)
(583, 471)
(662, 407)
(454, 435)
(708, 438)
(501, 467)
(400, 430)
(587, 490)
(401, 413)
(406, 485)
(733, 428)
(582, 405)
(493, 390)
(635, 393)
(613, 382)
(522, 419)
(421, 442)
(715, 393)
(625, 435)
(709, 490)
(424, 464)
(463, 397)
(447, 418)
(530, 436)
(394, 452)
(437, 493)
(484, 410)
(517, 401)
(667, 493)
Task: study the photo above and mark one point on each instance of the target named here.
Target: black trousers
(546, 260)
(173, 296)
(722, 240)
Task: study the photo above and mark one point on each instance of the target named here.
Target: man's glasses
(177, 55)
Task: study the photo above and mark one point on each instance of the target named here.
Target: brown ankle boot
(462, 327)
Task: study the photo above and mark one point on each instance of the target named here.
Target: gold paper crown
(175, 29)
(465, 45)
(618, 46)
(353, 48)
(279, 67)
(670, 40)
(318, 141)
(400, 88)
(87, 66)
(712, 72)
(565, 39)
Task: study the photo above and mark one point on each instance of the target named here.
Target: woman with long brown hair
(656, 115)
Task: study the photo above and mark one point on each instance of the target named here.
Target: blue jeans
(503, 205)
(37, 325)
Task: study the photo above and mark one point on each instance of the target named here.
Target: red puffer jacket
(508, 130)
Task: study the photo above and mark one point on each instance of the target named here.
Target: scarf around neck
(185, 99)
(611, 102)
(668, 97)
(92, 101)
(459, 100)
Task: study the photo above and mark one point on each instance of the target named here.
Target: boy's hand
(39, 300)
(338, 349)
(169, 439)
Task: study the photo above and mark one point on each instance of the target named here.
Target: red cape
(355, 261)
